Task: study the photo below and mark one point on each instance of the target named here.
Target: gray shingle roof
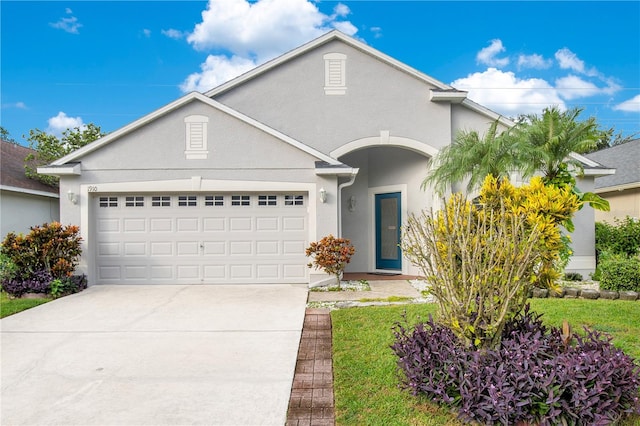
(624, 158)
(12, 169)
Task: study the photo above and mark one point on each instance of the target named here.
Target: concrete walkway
(153, 355)
(380, 290)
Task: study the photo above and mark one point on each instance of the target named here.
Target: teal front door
(388, 221)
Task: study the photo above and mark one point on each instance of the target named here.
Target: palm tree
(554, 135)
(473, 157)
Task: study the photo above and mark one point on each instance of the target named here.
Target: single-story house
(621, 189)
(230, 186)
(24, 202)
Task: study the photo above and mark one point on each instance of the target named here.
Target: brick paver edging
(311, 401)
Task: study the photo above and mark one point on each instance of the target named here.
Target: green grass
(10, 306)
(365, 378)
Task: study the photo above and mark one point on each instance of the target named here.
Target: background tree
(6, 136)
(49, 148)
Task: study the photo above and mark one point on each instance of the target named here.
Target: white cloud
(630, 105)
(245, 34)
(377, 31)
(341, 10)
(70, 24)
(487, 56)
(507, 94)
(216, 70)
(62, 122)
(572, 87)
(175, 34)
(17, 105)
(265, 28)
(569, 60)
(146, 32)
(534, 61)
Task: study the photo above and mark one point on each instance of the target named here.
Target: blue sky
(66, 63)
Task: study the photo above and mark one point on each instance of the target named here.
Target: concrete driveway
(153, 355)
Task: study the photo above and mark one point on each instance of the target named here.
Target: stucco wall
(583, 259)
(379, 97)
(623, 203)
(19, 212)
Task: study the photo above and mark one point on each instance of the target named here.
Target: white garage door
(200, 238)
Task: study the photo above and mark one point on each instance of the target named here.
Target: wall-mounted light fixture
(323, 195)
(73, 197)
(352, 203)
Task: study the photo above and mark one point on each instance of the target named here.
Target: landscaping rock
(590, 294)
(541, 293)
(609, 294)
(559, 294)
(572, 292)
(628, 295)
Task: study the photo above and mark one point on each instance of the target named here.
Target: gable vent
(196, 137)
(335, 74)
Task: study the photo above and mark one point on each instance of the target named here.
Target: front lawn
(10, 306)
(365, 380)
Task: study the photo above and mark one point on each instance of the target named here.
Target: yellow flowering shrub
(547, 208)
(482, 259)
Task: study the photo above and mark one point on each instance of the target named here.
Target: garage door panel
(137, 272)
(162, 272)
(240, 248)
(240, 224)
(171, 244)
(162, 248)
(161, 224)
(108, 249)
(214, 224)
(267, 224)
(188, 248)
(135, 225)
(135, 248)
(188, 272)
(293, 224)
(293, 247)
(189, 224)
(267, 248)
(108, 226)
(214, 248)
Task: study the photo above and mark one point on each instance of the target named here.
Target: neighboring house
(24, 202)
(230, 186)
(622, 189)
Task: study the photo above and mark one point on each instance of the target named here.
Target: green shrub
(619, 273)
(8, 269)
(622, 238)
(51, 250)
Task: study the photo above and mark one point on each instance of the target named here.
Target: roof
(625, 158)
(12, 176)
(442, 91)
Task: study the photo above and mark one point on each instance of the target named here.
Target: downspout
(354, 173)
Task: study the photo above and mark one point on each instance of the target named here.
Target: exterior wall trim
(385, 139)
(29, 191)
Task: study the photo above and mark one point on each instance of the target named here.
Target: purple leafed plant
(37, 282)
(535, 377)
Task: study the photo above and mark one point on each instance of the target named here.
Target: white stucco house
(230, 186)
(24, 202)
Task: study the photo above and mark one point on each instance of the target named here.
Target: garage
(200, 238)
